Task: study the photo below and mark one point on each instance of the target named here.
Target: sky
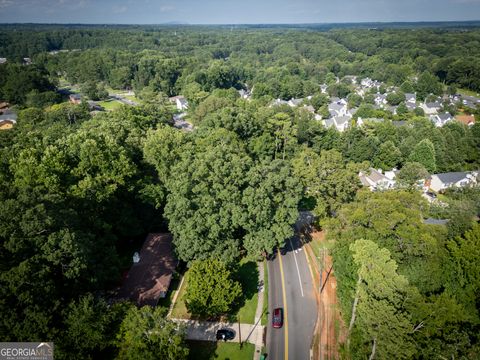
(235, 11)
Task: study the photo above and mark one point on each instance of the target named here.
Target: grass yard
(206, 350)
(179, 310)
(248, 276)
(467, 92)
(265, 294)
(110, 105)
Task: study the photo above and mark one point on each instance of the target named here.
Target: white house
(410, 98)
(441, 119)
(180, 101)
(440, 182)
(380, 99)
(3, 60)
(431, 108)
(338, 108)
(341, 123)
(375, 180)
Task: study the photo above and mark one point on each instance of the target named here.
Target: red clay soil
(330, 324)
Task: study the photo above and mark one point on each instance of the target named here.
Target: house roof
(466, 119)
(399, 123)
(150, 278)
(432, 221)
(335, 106)
(444, 116)
(11, 117)
(433, 105)
(410, 96)
(451, 177)
(340, 120)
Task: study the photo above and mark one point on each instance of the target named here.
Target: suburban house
(294, 102)
(180, 102)
(375, 180)
(380, 99)
(466, 119)
(75, 99)
(7, 121)
(323, 88)
(410, 98)
(440, 182)
(151, 273)
(341, 123)
(3, 60)
(27, 61)
(338, 108)
(431, 108)
(441, 119)
(245, 94)
(470, 101)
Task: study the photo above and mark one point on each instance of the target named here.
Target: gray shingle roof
(451, 177)
(431, 221)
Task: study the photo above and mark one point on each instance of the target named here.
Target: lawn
(247, 275)
(206, 350)
(467, 92)
(110, 105)
(179, 310)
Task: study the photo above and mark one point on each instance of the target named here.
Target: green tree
(211, 291)
(424, 153)
(270, 201)
(388, 156)
(378, 310)
(146, 334)
(410, 173)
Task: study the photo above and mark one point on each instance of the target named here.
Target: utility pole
(239, 333)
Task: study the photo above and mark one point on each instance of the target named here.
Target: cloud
(120, 9)
(5, 3)
(166, 8)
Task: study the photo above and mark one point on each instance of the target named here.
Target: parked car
(225, 334)
(277, 318)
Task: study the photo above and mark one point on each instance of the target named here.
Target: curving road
(290, 287)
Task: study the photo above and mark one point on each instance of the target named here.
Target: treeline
(451, 55)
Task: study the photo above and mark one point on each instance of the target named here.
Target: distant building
(27, 61)
(375, 180)
(7, 121)
(440, 182)
(180, 102)
(3, 61)
(151, 273)
(431, 108)
(466, 119)
(441, 119)
(75, 98)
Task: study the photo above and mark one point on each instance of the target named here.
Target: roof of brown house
(465, 119)
(149, 279)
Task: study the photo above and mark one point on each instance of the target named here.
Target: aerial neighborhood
(246, 191)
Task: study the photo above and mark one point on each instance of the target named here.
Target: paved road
(290, 287)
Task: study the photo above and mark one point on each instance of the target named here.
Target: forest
(80, 190)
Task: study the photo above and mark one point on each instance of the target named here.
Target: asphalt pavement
(290, 287)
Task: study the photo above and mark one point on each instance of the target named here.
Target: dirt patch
(331, 330)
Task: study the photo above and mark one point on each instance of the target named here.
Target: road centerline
(298, 270)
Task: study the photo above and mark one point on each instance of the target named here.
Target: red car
(277, 318)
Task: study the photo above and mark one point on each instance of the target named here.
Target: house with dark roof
(440, 182)
(431, 108)
(151, 273)
(75, 98)
(441, 119)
